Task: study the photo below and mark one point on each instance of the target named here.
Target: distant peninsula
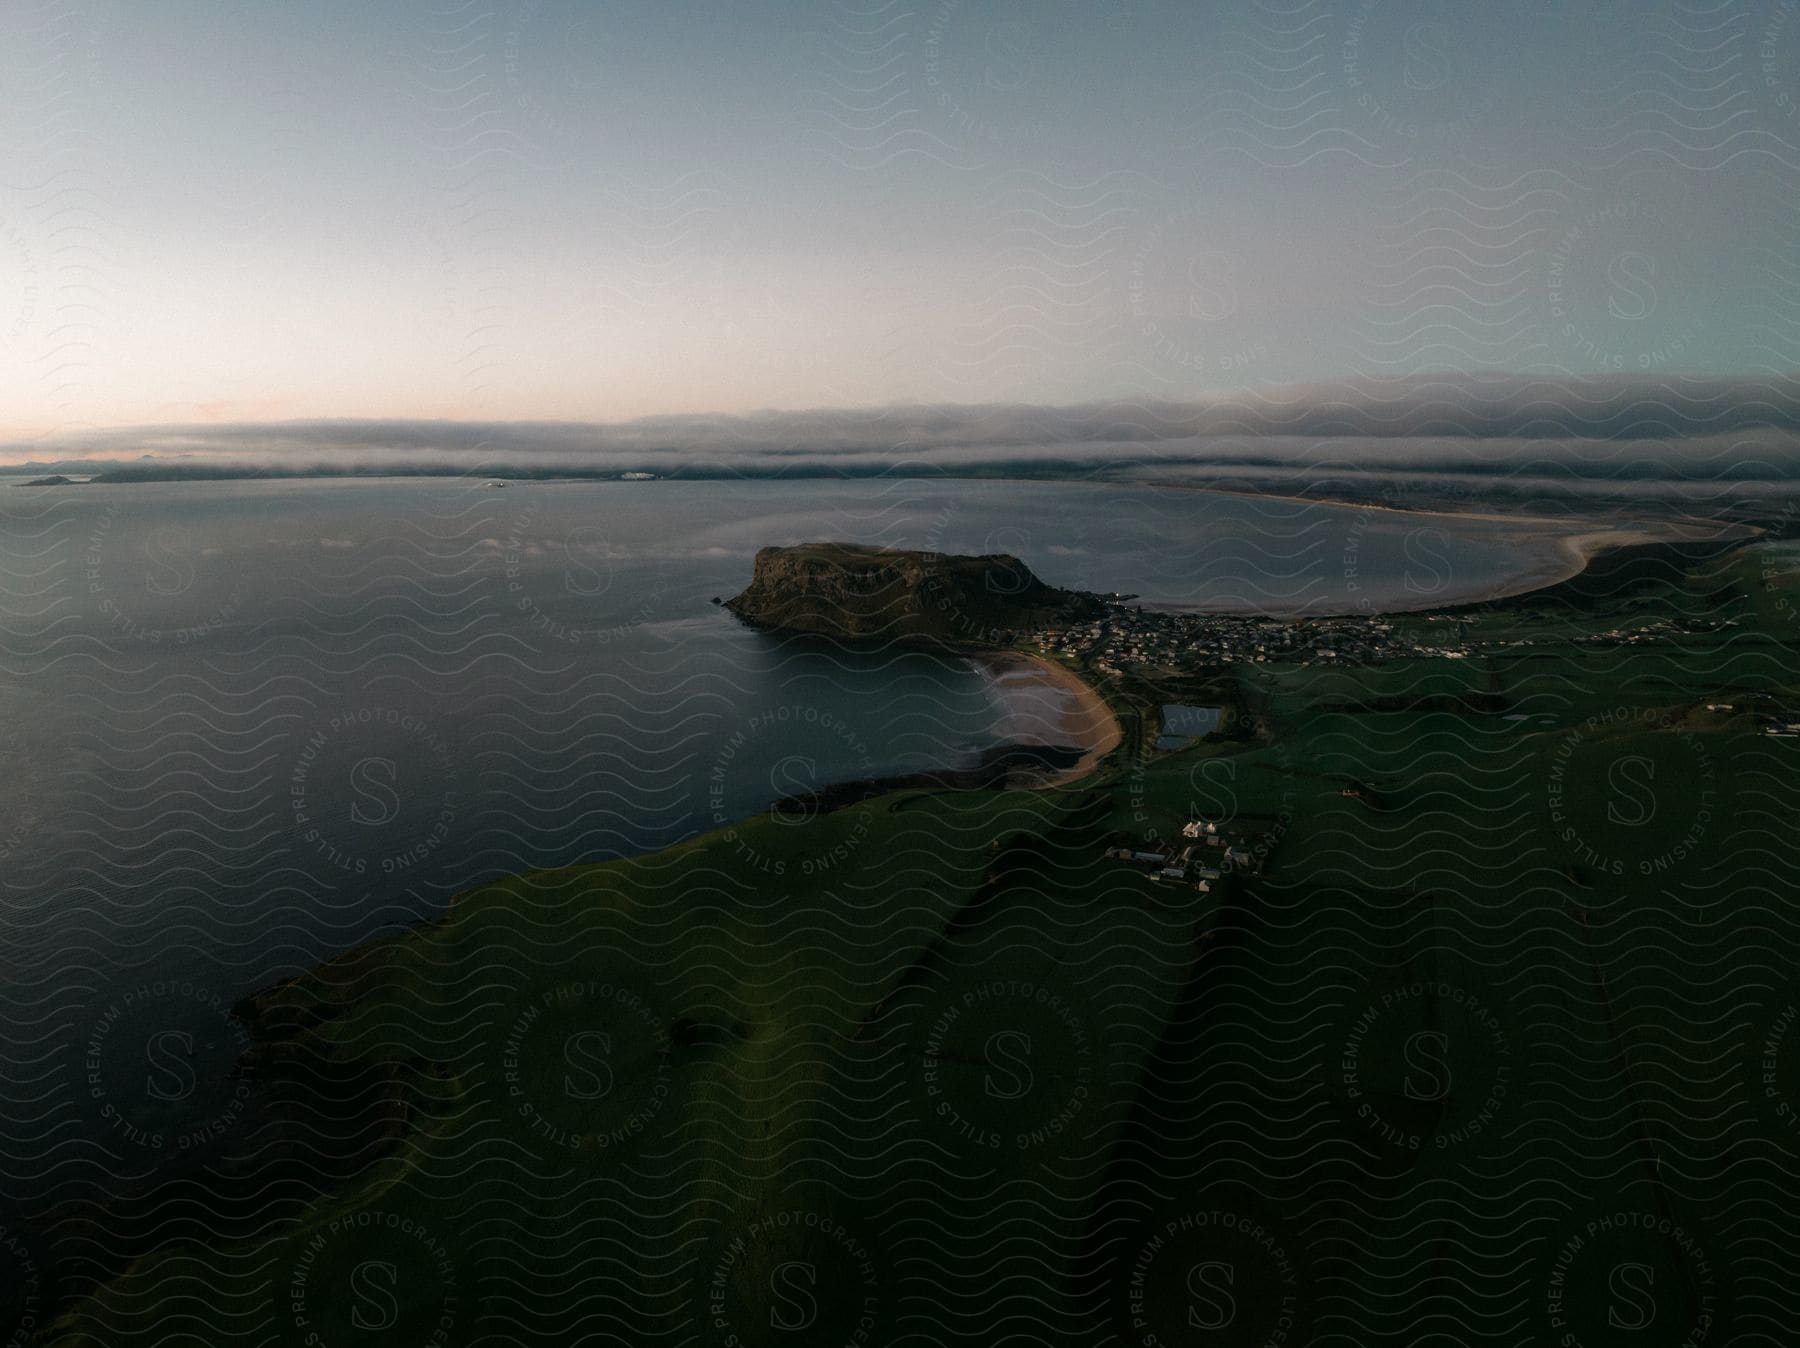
(856, 592)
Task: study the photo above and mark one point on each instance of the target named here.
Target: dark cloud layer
(1606, 428)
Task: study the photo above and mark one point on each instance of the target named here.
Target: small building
(1237, 856)
(1199, 828)
(1173, 872)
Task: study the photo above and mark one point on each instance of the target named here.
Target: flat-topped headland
(975, 606)
(857, 592)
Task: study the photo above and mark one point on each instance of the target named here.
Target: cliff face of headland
(852, 591)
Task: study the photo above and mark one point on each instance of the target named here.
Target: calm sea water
(243, 725)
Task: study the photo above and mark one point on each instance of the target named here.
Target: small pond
(1181, 723)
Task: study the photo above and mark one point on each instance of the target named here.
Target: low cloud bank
(1618, 429)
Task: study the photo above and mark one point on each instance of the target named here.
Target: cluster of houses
(1203, 860)
(1659, 628)
(1128, 635)
(1771, 719)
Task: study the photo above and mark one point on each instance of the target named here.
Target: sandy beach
(1073, 715)
(1565, 555)
(1556, 548)
(1562, 547)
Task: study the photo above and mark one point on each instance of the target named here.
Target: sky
(248, 211)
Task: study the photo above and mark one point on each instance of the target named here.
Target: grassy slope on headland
(984, 1083)
(854, 591)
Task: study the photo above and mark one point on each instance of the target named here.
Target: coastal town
(1128, 640)
(1127, 635)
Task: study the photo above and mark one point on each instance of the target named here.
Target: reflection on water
(1181, 722)
(248, 724)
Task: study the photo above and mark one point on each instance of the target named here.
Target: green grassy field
(1490, 1051)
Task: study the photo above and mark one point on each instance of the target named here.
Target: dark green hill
(853, 591)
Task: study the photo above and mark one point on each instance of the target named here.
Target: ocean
(247, 724)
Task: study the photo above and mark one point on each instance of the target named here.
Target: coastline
(1565, 548)
(1572, 554)
(1087, 722)
(1612, 530)
(1077, 716)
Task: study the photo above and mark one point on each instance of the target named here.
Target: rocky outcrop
(851, 591)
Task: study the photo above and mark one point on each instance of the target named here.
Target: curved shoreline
(1087, 722)
(1561, 549)
(1565, 546)
(1574, 553)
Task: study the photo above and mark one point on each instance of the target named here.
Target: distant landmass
(853, 591)
(54, 480)
(1472, 488)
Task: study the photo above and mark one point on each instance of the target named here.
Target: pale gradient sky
(244, 210)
